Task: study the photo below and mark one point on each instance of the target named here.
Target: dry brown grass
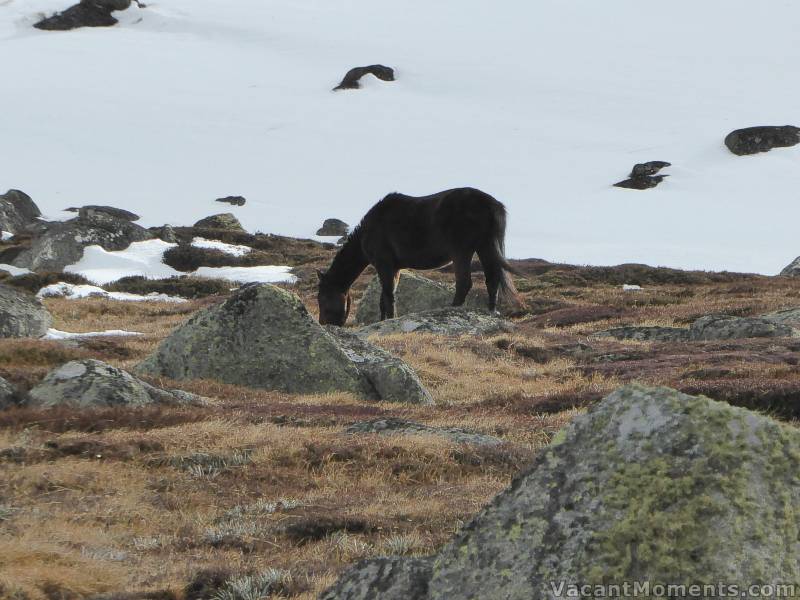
(145, 500)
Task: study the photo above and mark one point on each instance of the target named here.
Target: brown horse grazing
(404, 232)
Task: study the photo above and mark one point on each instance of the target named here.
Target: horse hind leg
(493, 270)
(462, 266)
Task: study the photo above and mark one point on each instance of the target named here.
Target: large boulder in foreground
(17, 211)
(753, 140)
(94, 384)
(442, 321)
(651, 485)
(414, 294)
(62, 243)
(264, 337)
(22, 315)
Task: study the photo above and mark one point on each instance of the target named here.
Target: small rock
(62, 244)
(648, 168)
(87, 13)
(333, 227)
(753, 140)
(642, 182)
(226, 221)
(350, 80)
(233, 200)
(22, 315)
(9, 396)
(88, 211)
(442, 321)
(393, 426)
(91, 383)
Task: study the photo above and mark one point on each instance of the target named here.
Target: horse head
(334, 304)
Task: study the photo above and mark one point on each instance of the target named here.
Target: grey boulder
(22, 315)
(90, 210)
(392, 379)
(414, 294)
(393, 426)
(62, 244)
(263, 337)
(17, 211)
(787, 316)
(792, 269)
(650, 485)
(94, 384)
(9, 396)
(442, 321)
(724, 327)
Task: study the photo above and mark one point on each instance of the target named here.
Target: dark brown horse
(404, 232)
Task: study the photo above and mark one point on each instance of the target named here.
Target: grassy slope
(118, 500)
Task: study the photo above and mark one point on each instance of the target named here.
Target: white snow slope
(544, 104)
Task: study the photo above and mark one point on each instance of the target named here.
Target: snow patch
(5, 236)
(231, 249)
(14, 271)
(74, 292)
(55, 334)
(631, 288)
(265, 274)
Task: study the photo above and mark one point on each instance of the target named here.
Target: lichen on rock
(651, 485)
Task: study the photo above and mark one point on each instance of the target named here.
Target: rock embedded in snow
(414, 294)
(233, 200)
(753, 140)
(17, 211)
(352, 77)
(95, 384)
(89, 210)
(721, 481)
(62, 244)
(263, 337)
(333, 227)
(87, 13)
(441, 321)
(392, 379)
(643, 176)
(649, 168)
(392, 426)
(22, 315)
(225, 221)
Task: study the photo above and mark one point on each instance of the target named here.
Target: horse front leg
(388, 277)
(462, 266)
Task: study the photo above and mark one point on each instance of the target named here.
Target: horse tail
(507, 290)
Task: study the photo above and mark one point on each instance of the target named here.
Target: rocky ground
(179, 494)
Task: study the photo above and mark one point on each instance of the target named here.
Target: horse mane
(348, 263)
